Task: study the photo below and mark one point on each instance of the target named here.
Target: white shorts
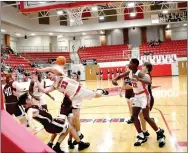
(140, 101)
(84, 93)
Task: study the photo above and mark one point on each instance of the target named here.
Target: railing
(42, 49)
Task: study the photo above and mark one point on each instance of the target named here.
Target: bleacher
(178, 47)
(111, 53)
(16, 61)
(44, 56)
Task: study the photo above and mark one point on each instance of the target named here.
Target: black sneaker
(83, 145)
(58, 149)
(130, 121)
(50, 144)
(104, 92)
(161, 138)
(146, 134)
(140, 140)
(81, 137)
(70, 144)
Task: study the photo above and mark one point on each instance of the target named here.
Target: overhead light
(83, 33)
(185, 24)
(165, 11)
(33, 34)
(17, 34)
(101, 17)
(168, 26)
(133, 14)
(94, 8)
(59, 12)
(101, 32)
(131, 4)
(2, 30)
(50, 33)
(71, 20)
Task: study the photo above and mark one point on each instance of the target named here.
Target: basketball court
(104, 120)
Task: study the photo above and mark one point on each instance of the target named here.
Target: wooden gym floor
(103, 120)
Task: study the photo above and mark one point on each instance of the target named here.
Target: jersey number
(64, 84)
(8, 91)
(135, 85)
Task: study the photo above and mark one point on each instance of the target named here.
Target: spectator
(78, 73)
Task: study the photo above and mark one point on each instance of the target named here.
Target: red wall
(158, 70)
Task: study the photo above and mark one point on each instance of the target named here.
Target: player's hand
(136, 77)
(38, 70)
(114, 82)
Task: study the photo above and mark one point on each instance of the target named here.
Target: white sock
(141, 135)
(99, 92)
(158, 130)
(144, 131)
(79, 133)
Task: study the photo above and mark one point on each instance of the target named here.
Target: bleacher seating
(44, 56)
(178, 47)
(16, 61)
(109, 53)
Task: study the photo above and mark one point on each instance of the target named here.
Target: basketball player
(38, 96)
(112, 74)
(101, 74)
(117, 72)
(127, 86)
(11, 91)
(58, 125)
(74, 91)
(75, 76)
(108, 73)
(58, 71)
(140, 102)
(97, 75)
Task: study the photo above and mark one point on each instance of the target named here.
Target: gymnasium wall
(114, 37)
(135, 36)
(179, 33)
(2, 39)
(152, 33)
(35, 41)
(13, 43)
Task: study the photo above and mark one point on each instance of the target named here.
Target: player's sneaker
(70, 144)
(57, 149)
(140, 140)
(104, 92)
(50, 144)
(81, 137)
(161, 138)
(83, 145)
(130, 121)
(146, 134)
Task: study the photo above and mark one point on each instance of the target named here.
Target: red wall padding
(16, 138)
(138, 15)
(158, 70)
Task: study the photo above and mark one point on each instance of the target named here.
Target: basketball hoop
(75, 16)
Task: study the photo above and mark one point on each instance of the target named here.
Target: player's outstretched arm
(50, 69)
(48, 93)
(144, 78)
(114, 81)
(31, 91)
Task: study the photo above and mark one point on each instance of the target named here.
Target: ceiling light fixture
(50, 33)
(133, 14)
(17, 34)
(33, 34)
(165, 11)
(41, 2)
(2, 30)
(83, 33)
(94, 8)
(185, 24)
(101, 17)
(131, 4)
(59, 12)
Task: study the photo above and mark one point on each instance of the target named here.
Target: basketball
(61, 60)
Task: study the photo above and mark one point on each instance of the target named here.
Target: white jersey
(138, 86)
(36, 91)
(66, 86)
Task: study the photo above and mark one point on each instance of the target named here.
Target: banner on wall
(90, 62)
(158, 59)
